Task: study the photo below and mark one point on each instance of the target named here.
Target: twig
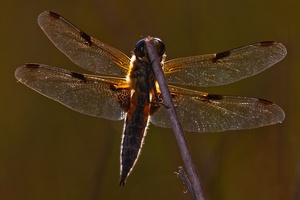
(177, 129)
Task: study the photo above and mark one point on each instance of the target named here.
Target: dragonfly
(124, 88)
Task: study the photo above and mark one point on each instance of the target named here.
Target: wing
(83, 50)
(88, 94)
(203, 112)
(225, 67)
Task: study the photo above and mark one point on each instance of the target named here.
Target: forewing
(203, 112)
(87, 94)
(225, 67)
(83, 50)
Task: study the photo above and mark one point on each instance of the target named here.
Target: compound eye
(139, 49)
(160, 46)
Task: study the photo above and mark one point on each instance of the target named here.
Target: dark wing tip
(49, 13)
(265, 101)
(46, 16)
(20, 70)
(267, 43)
(280, 115)
(280, 48)
(53, 14)
(32, 65)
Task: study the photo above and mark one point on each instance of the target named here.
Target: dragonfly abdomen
(135, 125)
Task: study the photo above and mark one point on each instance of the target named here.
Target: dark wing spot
(214, 97)
(264, 101)
(86, 37)
(266, 43)
(79, 76)
(221, 55)
(210, 97)
(53, 14)
(113, 87)
(32, 65)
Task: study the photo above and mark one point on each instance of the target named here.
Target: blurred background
(48, 151)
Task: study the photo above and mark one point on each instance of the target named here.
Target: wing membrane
(203, 112)
(87, 94)
(225, 67)
(83, 50)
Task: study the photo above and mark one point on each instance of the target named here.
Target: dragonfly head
(140, 50)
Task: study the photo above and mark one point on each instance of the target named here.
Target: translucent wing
(83, 50)
(87, 94)
(225, 67)
(203, 112)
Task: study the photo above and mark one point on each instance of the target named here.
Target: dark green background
(50, 152)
